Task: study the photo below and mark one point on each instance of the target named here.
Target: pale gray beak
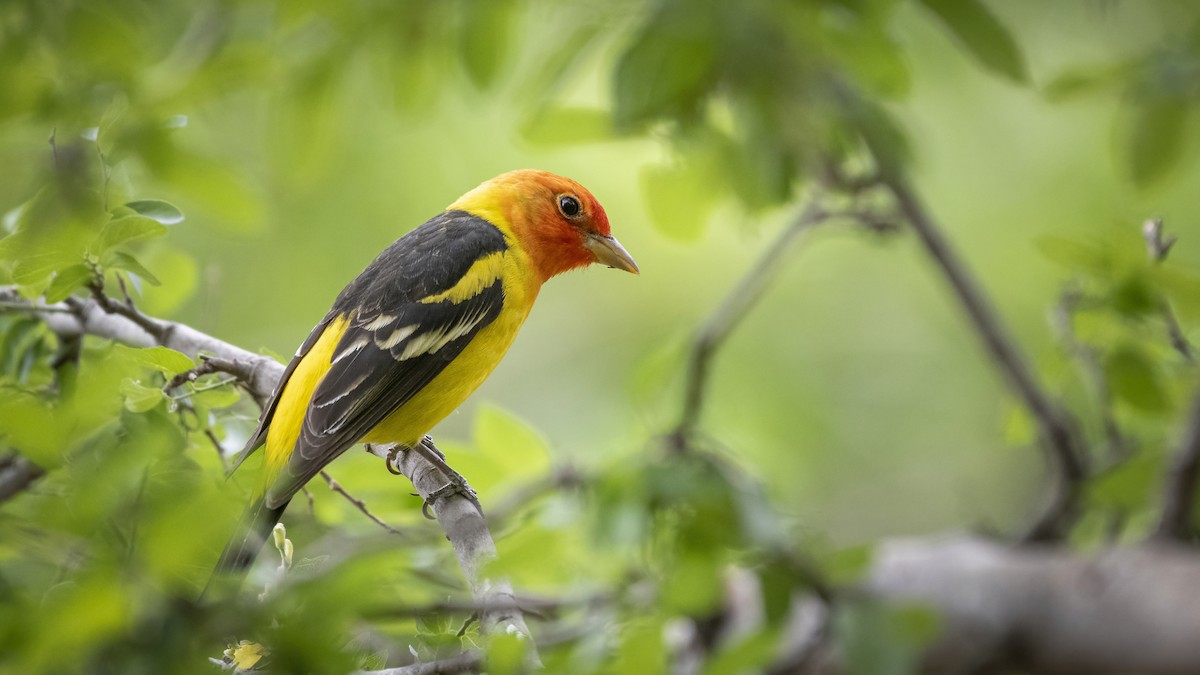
(608, 251)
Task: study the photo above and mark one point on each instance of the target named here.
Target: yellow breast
(462, 376)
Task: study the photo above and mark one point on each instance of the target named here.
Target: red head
(554, 219)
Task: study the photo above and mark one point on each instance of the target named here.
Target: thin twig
(1158, 245)
(731, 311)
(220, 450)
(360, 504)
(1093, 370)
(1179, 486)
(1054, 425)
(159, 330)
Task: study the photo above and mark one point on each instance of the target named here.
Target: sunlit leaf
(980, 33)
(66, 281)
(510, 442)
(245, 655)
(37, 267)
(138, 397)
(126, 230)
(164, 212)
(165, 360)
(119, 260)
(506, 654)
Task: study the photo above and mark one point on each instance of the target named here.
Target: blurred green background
(300, 138)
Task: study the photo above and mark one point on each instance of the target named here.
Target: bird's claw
(392, 461)
(456, 485)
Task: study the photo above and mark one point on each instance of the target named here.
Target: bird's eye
(569, 206)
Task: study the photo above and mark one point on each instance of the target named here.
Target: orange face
(557, 221)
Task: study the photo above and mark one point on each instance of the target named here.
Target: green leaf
(483, 39)
(849, 565)
(1128, 486)
(1133, 379)
(163, 212)
(1153, 138)
(668, 68)
(119, 260)
(164, 360)
(126, 230)
(693, 585)
(139, 398)
(979, 32)
(749, 655)
(1133, 297)
(511, 442)
(219, 397)
(66, 281)
(506, 654)
(39, 266)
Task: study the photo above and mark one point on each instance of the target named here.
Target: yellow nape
(293, 403)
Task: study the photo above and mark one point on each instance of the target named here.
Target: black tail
(253, 531)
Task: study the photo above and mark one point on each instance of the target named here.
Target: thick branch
(468, 533)
(464, 525)
(1179, 485)
(16, 474)
(1048, 611)
(466, 662)
(1054, 425)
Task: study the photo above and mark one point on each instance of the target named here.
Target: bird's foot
(455, 483)
(392, 460)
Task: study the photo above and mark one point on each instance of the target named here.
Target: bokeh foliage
(299, 138)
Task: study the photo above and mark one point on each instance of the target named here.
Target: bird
(416, 332)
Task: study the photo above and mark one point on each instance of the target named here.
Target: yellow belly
(455, 383)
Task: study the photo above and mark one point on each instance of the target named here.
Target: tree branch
(1009, 608)
(16, 474)
(360, 505)
(1179, 485)
(466, 662)
(731, 311)
(1054, 425)
(463, 524)
(468, 533)
(1158, 245)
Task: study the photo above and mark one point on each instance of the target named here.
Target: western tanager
(419, 330)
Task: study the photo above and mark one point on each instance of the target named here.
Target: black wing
(394, 343)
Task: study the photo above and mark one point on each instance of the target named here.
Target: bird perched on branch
(419, 330)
